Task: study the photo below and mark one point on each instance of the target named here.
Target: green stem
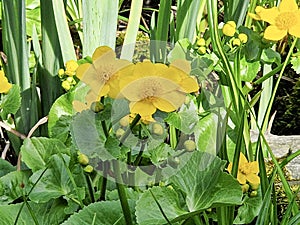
(122, 193)
(90, 187)
(173, 137)
(268, 112)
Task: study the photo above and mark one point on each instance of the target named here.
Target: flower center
(150, 88)
(245, 169)
(286, 20)
(106, 73)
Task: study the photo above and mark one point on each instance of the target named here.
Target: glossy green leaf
(270, 56)
(61, 112)
(249, 70)
(248, 210)
(11, 102)
(5, 167)
(104, 213)
(14, 185)
(203, 183)
(185, 120)
(36, 151)
(48, 213)
(55, 182)
(147, 209)
(206, 134)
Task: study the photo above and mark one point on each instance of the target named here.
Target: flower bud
(253, 194)
(124, 122)
(245, 188)
(83, 159)
(71, 80)
(120, 132)
(88, 169)
(97, 107)
(201, 50)
(157, 129)
(66, 85)
(229, 28)
(236, 42)
(189, 145)
(71, 67)
(201, 42)
(61, 73)
(243, 38)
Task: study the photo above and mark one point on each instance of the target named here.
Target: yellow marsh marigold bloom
(5, 86)
(283, 20)
(71, 67)
(229, 28)
(150, 86)
(103, 74)
(243, 38)
(247, 171)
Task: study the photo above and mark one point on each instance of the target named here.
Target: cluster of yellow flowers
(147, 86)
(5, 86)
(283, 20)
(247, 174)
(229, 29)
(67, 75)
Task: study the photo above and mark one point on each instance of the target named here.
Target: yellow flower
(61, 73)
(71, 67)
(283, 20)
(150, 86)
(236, 42)
(247, 171)
(5, 86)
(229, 28)
(201, 42)
(103, 74)
(243, 38)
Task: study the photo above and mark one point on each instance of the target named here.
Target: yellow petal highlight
(288, 6)
(274, 34)
(253, 178)
(189, 85)
(241, 178)
(81, 70)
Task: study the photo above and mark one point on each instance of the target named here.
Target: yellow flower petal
(5, 87)
(241, 178)
(103, 51)
(143, 69)
(254, 16)
(268, 15)
(189, 85)
(253, 178)
(288, 6)
(164, 105)
(274, 34)
(81, 70)
(254, 167)
(144, 108)
(104, 90)
(295, 29)
(243, 159)
(176, 98)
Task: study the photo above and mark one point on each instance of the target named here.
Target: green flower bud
(88, 169)
(124, 122)
(97, 107)
(120, 132)
(66, 85)
(253, 194)
(157, 129)
(201, 50)
(189, 145)
(201, 42)
(83, 159)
